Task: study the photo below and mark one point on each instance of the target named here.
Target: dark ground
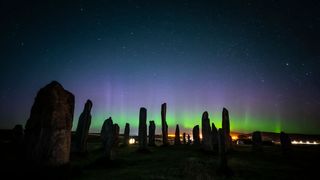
(173, 162)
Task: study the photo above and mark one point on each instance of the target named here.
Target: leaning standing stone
(81, 136)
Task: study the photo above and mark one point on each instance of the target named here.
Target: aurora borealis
(260, 60)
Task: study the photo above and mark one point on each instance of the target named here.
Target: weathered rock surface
(226, 128)
(107, 138)
(142, 129)
(177, 136)
(164, 124)
(152, 131)
(196, 136)
(81, 136)
(48, 129)
(206, 132)
(126, 134)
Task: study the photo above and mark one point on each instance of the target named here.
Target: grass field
(175, 162)
(188, 162)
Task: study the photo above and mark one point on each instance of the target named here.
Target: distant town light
(132, 141)
(307, 142)
(234, 137)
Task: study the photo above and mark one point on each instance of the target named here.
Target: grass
(188, 162)
(177, 162)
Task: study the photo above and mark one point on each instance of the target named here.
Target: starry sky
(259, 59)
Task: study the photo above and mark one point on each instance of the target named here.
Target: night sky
(260, 60)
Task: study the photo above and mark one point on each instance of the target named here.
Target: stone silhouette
(48, 129)
(107, 138)
(226, 128)
(195, 133)
(116, 132)
(164, 124)
(184, 138)
(152, 131)
(189, 140)
(81, 136)
(256, 141)
(126, 134)
(206, 132)
(285, 141)
(143, 129)
(177, 136)
(215, 138)
(223, 163)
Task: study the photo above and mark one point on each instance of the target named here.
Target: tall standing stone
(107, 138)
(215, 138)
(256, 141)
(116, 132)
(195, 134)
(184, 138)
(143, 129)
(223, 163)
(177, 136)
(126, 134)
(152, 131)
(226, 128)
(206, 132)
(164, 124)
(48, 129)
(81, 136)
(285, 141)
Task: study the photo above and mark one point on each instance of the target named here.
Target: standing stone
(116, 131)
(184, 138)
(285, 141)
(189, 140)
(215, 138)
(226, 128)
(143, 129)
(195, 133)
(206, 132)
(126, 134)
(223, 163)
(164, 124)
(107, 138)
(256, 141)
(48, 129)
(152, 131)
(177, 136)
(81, 136)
